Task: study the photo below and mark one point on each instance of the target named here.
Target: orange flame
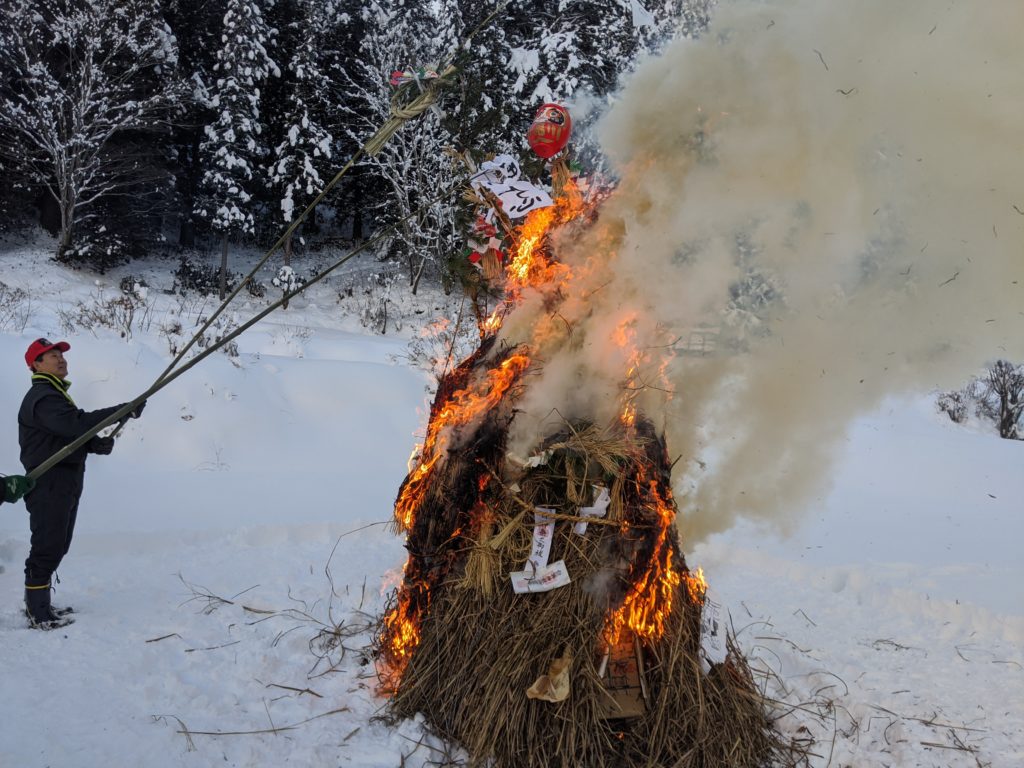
(696, 586)
(402, 633)
(492, 324)
(463, 407)
(531, 232)
(529, 266)
(624, 336)
(648, 604)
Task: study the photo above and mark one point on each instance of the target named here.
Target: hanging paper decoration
(538, 575)
(516, 196)
(549, 132)
(602, 498)
(403, 76)
(714, 649)
(501, 170)
(485, 248)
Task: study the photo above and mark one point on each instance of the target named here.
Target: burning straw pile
(547, 616)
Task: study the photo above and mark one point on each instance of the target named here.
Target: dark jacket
(49, 420)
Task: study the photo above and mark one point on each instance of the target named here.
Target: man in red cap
(47, 422)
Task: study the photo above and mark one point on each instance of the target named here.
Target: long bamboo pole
(400, 114)
(126, 409)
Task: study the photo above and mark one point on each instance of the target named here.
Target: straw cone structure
(461, 648)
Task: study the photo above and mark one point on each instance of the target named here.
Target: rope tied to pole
(400, 113)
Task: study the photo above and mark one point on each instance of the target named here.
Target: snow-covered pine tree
(300, 162)
(345, 78)
(484, 118)
(402, 35)
(588, 45)
(86, 86)
(196, 27)
(533, 52)
(580, 55)
(675, 18)
(232, 150)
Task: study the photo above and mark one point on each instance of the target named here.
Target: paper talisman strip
(542, 580)
(543, 532)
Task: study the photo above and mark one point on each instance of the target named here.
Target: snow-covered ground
(246, 512)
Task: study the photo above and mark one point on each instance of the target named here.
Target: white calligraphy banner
(516, 196)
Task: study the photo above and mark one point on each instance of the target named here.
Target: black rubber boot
(38, 609)
(67, 609)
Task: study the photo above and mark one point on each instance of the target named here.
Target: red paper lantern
(549, 132)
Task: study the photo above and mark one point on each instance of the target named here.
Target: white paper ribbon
(600, 509)
(502, 169)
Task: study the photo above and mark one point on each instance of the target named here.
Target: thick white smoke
(836, 190)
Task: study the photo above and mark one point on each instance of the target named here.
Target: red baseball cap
(41, 347)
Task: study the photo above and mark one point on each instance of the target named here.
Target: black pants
(53, 508)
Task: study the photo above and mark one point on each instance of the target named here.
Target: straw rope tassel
(401, 114)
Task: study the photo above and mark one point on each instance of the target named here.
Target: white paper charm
(539, 458)
(543, 531)
(599, 509)
(537, 575)
(712, 633)
(542, 580)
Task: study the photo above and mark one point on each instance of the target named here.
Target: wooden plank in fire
(622, 671)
